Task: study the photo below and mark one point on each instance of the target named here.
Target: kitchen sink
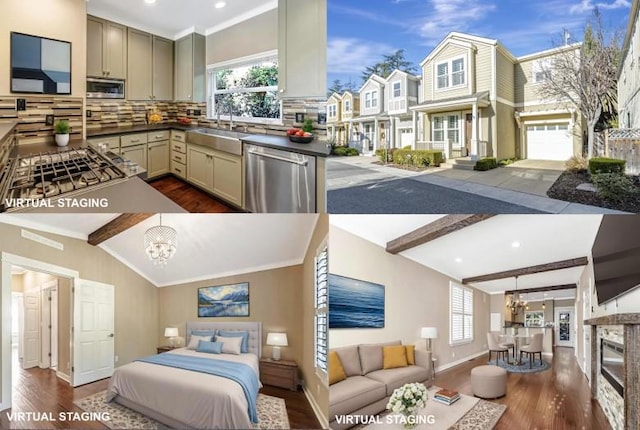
(221, 140)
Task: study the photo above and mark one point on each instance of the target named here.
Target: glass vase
(410, 421)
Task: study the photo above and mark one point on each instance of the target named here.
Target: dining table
(519, 340)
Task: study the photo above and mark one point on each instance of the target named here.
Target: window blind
(461, 313)
(321, 308)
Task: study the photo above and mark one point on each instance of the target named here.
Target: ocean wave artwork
(354, 303)
(224, 301)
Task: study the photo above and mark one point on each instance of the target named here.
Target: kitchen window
(246, 89)
(446, 128)
(461, 303)
(397, 90)
(321, 310)
(450, 74)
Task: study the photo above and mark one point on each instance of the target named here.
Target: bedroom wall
(415, 297)
(274, 298)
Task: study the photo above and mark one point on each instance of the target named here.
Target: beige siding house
(335, 128)
(401, 94)
(371, 128)
(479, 100)
(629, 74)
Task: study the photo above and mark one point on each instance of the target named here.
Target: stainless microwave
(98, 88)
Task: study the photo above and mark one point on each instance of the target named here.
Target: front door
(468, 128)
(93, 332)
(564, 327)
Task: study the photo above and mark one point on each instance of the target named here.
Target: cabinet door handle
(158, 136)
(135, 140)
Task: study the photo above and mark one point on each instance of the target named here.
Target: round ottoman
(489, 382)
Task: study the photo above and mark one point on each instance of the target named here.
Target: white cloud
(588, 5)
(452, 15)
(352, 55)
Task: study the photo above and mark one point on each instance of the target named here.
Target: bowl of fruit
(299, 136)
(184, 120)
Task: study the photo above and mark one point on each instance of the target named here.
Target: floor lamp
(429, 333)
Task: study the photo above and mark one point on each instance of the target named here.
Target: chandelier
(160, 243)
(516, 303)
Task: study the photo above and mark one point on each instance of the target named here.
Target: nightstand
(282, 373)
(162, 349)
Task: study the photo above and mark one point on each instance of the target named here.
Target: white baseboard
(316, 409)
(460, 361)
(64, 377)
(548, 354)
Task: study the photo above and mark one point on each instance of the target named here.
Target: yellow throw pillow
(411, 354)
(336, 371)
(394, 356)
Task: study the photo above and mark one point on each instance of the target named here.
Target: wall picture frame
(354, 303)
(534, 319)
(224, 301)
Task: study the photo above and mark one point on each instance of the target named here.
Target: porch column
(414, 121)
(474, 132)
(392, 132)
(376, 134)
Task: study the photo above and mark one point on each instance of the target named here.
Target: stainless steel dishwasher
(279, 181)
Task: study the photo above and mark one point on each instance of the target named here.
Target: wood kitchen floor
(556, 399)
(39, 390)
(189, 197)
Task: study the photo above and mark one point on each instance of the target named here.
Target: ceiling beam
(544, 289)
(556, 265)
(117, 226)
(433, 231)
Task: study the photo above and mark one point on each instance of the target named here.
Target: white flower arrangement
(408, 399)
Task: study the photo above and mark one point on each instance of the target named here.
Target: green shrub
(380, 154)
(407, 147)
(614, 186)
(484, 164)
(417, 158)
(606, 165)
(507, 161)
(344, 151)
(577, 163)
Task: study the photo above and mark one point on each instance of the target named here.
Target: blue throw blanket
(241, 373)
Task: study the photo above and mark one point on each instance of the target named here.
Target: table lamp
(276, 340)
(429, 333)
(171, 333)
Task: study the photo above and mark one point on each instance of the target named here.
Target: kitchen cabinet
(302, 48)
(190, 80)
(200, 166)
(227, 177)
(158, 158)
(112, 142)
(178, 154)
(150, 67)
(106, 49)
(137, 154)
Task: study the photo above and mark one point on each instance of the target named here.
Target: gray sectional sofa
(368, 386)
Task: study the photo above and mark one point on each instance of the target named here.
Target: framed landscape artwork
(354, 303)
(224, 301)
(534, 319)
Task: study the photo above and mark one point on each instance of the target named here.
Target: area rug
(537, 366)
(272, 413)
(468, 413)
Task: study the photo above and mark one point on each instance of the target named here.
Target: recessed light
(458, 260)
(150, 1)
(220, 5)
(515, 244)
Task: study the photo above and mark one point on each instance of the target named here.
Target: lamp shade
(170, 332)
(429, 333)
(277, 339)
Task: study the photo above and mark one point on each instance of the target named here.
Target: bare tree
(586, 75)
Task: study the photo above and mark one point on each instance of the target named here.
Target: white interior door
(46, 323)
(586, 360)
(93, 331)
(565, 329)
(54, 328)
(31, 331)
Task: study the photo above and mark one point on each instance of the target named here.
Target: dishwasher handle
(275, 157)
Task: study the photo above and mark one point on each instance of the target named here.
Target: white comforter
(196, 399)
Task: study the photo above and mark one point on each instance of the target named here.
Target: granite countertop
(110, 131)
(315, 148)
(39, 148)
(6, 128)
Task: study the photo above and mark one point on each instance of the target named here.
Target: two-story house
(370, 128)
(401, 93)
(629, 73)
(335, 127)
(479, 100)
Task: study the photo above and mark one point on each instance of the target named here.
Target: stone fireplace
(615, 368)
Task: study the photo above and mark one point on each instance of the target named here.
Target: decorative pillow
(411, 354)
(209, 347)
(204, 332)
(243, 334)
(371, 355)
(230, 345)
(394, 356)
(336, 372)
(350, 360)
(193, 342)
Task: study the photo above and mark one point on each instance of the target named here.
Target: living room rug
(468, 413)
(524, 368)
(272, 413)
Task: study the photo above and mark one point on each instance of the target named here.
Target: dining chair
(494, 346)
(509, 344)
(535, 347)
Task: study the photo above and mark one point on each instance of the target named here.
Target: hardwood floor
(189, 197)
(558, 399)
(40, 390)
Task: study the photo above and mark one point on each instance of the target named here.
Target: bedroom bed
(178, 397)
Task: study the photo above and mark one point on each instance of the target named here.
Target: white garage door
(549, 142)
(406, 137)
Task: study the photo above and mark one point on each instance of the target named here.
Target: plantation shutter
(461, 314)
(321, 307)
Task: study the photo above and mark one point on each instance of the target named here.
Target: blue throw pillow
(211, 333)
(243, 334)
(209, 347)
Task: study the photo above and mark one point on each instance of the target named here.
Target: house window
(461, 302)
(321, 309)
(450, 74)
(541, 71)
(374, 99)
(397, 91)
(347, 105)
(246, 89)
(446, 128)
(371, 99)
(367, 100)
(333, 111)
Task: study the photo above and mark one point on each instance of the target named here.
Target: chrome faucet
(230, 107)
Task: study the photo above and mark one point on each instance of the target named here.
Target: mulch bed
(399, 166)
(565, 189)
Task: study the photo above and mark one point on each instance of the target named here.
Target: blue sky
(361, 31)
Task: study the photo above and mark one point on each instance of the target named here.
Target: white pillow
(230, 345)
(193, 342)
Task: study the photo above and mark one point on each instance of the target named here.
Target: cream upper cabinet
(190, 81)
(162, 69)
(106, 49)
(302, 48)
(140, 65)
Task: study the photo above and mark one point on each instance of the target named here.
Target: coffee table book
(447, 397)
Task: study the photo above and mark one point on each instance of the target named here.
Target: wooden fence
(620, 143)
